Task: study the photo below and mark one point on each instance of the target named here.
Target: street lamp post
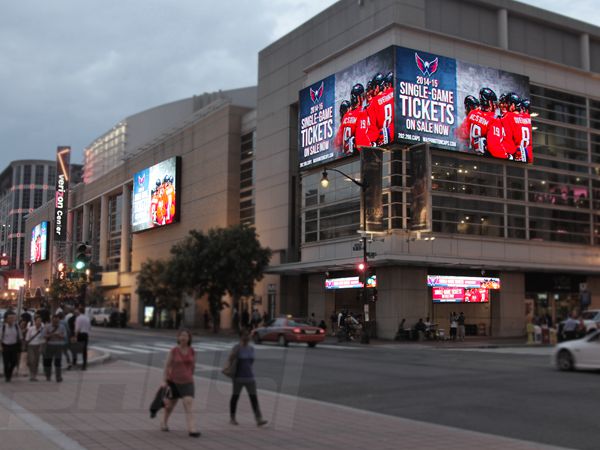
(363, 193)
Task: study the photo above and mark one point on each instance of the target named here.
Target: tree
(223, 261)
(155, 286)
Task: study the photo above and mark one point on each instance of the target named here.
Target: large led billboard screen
(39, 243)
(156, 193)
(408, 96)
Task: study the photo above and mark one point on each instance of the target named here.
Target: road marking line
(131, 349)
(109, 350)
(149, 347)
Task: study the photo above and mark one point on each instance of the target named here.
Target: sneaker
(233, 422)
(195, 434)
(261, 422)
(59, 380)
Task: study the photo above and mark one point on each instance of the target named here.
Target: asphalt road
(508, 393)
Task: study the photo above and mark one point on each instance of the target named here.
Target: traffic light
(82, 257)
(61, 270)
(361, 267)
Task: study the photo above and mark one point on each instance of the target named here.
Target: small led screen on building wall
(39, 243)
(155, 201)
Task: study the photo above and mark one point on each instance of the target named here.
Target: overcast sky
(71, 69)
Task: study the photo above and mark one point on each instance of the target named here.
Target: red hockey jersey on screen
(517, 129)
(381, 118)
(353, 130)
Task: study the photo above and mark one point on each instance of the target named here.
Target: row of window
(38, 174)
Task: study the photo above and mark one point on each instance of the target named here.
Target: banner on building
(63, 160)
(406, 96)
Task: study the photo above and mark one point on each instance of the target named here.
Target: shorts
(180, 390)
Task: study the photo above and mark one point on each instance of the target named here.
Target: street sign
(357, 247)
(371, 254)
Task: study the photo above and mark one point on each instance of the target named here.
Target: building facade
(534, 226)
(214, 141)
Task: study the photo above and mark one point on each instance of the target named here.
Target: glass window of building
(39, 174)
(115, 206)
(51, 176)
(26, 198)
(38, 198)
(27, 174)
(247, 210)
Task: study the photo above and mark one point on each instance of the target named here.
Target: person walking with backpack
(34, 340)
(10, 343)
(242, 356)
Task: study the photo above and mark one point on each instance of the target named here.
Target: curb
(102, 358)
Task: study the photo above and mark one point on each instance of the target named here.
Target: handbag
(231, 368)
(159, 400)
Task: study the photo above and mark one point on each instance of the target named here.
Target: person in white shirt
(34, 340)
(10, 343)
(82, 334)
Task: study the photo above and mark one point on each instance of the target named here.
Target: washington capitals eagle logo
(427, 68)
(315, 95)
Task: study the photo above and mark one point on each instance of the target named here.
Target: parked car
(100, 316)
(284, 330)
(581, 353)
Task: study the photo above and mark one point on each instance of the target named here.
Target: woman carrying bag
(179, 379)
(239, 369)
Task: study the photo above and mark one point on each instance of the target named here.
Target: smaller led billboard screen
(39, 243)
(463, 282)
(350, 283)
(155, 202)
(459, 295)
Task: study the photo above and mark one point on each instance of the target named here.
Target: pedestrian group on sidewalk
(23, 344)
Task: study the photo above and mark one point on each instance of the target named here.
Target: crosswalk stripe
(149, 347)
(131, 349)
(108, 350)
(210, 347)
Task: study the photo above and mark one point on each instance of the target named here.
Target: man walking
(82, 334)
(10, 344)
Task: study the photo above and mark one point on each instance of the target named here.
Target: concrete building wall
(402, 294)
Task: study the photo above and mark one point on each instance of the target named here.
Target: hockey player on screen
(525, 115)
(471, 104)
(517, 128)
(339, 137)
(154, 202)
(485, 129)
(354, 124)
(381, 110)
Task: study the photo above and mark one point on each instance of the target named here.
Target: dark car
(284, 330)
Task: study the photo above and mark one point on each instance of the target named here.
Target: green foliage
(63, 289)
(156, 287)
(223, 261)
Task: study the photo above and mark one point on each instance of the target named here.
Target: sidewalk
(107, 408)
